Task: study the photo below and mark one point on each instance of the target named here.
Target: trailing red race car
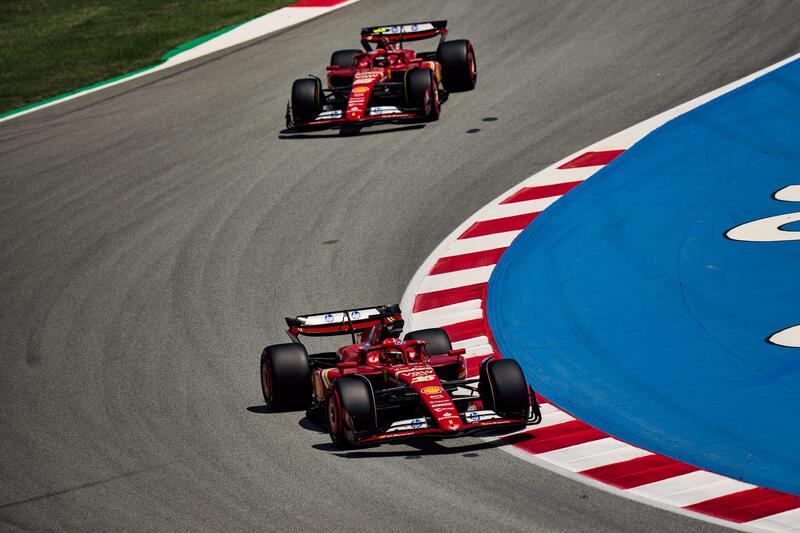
(381, 387)
(387, 84)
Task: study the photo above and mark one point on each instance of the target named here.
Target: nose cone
(441, 407)
(357, 103)
(426, 383)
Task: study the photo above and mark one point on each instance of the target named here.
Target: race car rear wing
(398, 33)
(346, 321)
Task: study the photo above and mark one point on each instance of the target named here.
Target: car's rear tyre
(351, 409)
(422, 92)
(459, 69)
(306, 100)
(438, 340)
(503, 388)
(285, 377)
(344, 58)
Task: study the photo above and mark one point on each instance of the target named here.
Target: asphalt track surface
(153, 235)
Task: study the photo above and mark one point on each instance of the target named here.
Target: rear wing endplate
(346, 321)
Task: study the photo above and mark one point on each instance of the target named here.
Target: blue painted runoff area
(628, 307)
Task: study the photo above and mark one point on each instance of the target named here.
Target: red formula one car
(387, 84)
(381, 387)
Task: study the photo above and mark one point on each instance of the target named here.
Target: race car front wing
(377, 114)
(473, 421)
(479, 421)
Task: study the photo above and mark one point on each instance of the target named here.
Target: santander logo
(771, 229)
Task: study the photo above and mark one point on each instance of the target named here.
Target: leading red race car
(387, 84)
(382, 387)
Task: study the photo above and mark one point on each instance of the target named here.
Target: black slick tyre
(285, 377)
(344, 58)
(421, 92)
(503, 388)
(306, 100)
(438, 340)
(459, 69)
(350, 409)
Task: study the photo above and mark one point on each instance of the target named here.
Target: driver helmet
(381, 60)
(391, 356)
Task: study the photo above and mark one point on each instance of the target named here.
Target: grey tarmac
(154, 234)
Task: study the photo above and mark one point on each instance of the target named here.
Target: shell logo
(432, 390)
(359, 90)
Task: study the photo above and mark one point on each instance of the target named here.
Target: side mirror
(460, 351)
(347, 364)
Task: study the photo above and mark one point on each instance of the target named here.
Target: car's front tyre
(350, 410)
(422, 92)
(306, 100)
(503, 388)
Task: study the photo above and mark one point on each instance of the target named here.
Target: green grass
(49, 47)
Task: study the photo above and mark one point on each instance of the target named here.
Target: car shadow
(421, 448)
(305, 422)
(332, 134)
(264, 410)
(310, 425)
